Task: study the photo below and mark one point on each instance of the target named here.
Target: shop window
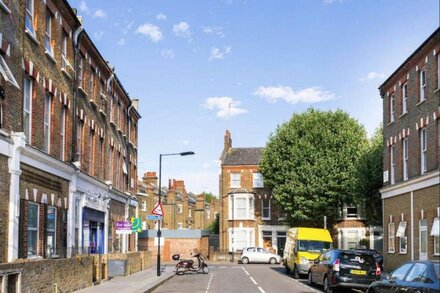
(32, 230)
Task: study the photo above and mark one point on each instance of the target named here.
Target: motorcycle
(187, 265)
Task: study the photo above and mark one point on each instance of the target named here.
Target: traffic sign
(158, 210)
(154, 217)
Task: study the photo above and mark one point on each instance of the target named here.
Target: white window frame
(235, 180)
(402, 237)
(405, 158)
(34, 229)
(257, 180)
(47, 121)
(404, 98)
(27, 113)
(30, 16)
(144, 206)
(54, 231)
(436, 245)
(422, 82)
(92, 83)
(91, 150)
(263, 208)
(392, 108)
(48, 34)
(249, 234)
(249, 206)
(179, 208)
(80, 71)
(189, 212)
(63, 132)
(423, 151)
(79, 130)
(392, 165)
(391, 237)
(423, 228)
(64, 60)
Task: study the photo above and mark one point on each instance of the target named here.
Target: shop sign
(123, 227)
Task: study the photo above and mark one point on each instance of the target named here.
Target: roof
(243, 156)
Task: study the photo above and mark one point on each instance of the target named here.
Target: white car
(258, 254)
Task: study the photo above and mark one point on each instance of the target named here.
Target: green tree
(369, 175)
(208, 196)
(215, 225)
(310, 162)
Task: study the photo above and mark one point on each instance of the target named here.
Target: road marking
(245, 271)
(209, 283)
(252, 279)
(261, 290)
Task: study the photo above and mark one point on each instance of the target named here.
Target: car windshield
(437, 269)
(356, 259)
(313, 246)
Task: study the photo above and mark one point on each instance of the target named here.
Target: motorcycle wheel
(180, 271)
(205, 270)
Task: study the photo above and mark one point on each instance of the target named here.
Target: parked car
(258, 255)
(376, 254)
(412, 276)
(338, 268)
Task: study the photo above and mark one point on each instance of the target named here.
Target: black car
(376, 254)
(338, 268)
(413, 276)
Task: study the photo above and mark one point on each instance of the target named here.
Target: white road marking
(261, 290)
(252, 279)
(245, 271)
(209, 283)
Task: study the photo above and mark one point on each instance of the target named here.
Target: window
(416, 274)
(391, 234)
(438, 70)
(422, 82)
(32, 230)
(401, 234)
(51, 221)
(190, 212)
(405, 158)
(63, 132)
(257, 179)
(423, 147)
(179, 208)
(404, 98)
(27, 105)
(79, 129)
(239, 238)
(391, 108)
(423, 239)
(241, 206)
(179, 226)
(235, 180)
(92, 83)
(352, 212)
(91, 151)
(48, 40)
(352, 239)
(100, 157)
(47, 118)
(64, 60)
(435, 232)
(144, 206)
(80, 71)
(111, 164)
(400, 272)
(29, 20)
(392, 165)
(265, 209)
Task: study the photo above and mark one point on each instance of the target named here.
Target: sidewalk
(140, 282)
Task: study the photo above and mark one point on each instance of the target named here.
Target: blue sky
(201, 67)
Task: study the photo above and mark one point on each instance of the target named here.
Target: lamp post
(159, 232)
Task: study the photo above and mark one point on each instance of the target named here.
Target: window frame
(179, 208)
(423, 151)
(391, 237)
(33, 229)
(27, 113)
(64, 41)
(392, 165)
(29, 16)
(80, 71)
(267, 208)
(48, 46)
(405, 98)
(422, 85)
(233, 181)
(257, 180)
(91, 150)
(405, 159)
(423, 255)
(54, 230)
(47, 120)
(249, 213)
(79, 131)
(392, 100)
(63, 132)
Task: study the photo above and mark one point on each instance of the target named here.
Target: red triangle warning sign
(157, 210)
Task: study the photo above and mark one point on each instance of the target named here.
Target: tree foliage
(310, 162)
(215, 225)
(369, 176)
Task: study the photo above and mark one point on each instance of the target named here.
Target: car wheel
(327, 285)
(272, 260)
(295, 273)
(245, 260)
(309, 278)
(371, 290)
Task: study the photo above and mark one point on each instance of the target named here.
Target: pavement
(140, 282)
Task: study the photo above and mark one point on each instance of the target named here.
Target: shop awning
(6, 72)
(435, 231)
(401, 230)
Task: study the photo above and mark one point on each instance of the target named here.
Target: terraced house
(411, 192)
(68, 138)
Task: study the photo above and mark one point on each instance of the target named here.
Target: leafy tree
(215, 225)
(369, 175)
(208, 196)
(310, 162)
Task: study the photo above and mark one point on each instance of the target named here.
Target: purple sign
(123, 227)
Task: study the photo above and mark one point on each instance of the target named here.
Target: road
(238, 278)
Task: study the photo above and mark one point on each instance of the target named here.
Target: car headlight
(304, 261)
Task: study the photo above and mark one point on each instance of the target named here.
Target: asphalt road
(238, 278)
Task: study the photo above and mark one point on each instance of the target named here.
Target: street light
(159, 233)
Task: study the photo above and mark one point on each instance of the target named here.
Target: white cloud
(121, 42)
(99, 14)
(331, 1)
(151, 31)
(226, 106)
(98, 35)
(287, 94)
(127, 27)
(213, 30)
(161, 16)
(83, 6)
(185, 142)
(373, 75)
(217, 53)
(167, 54)
(182, 29)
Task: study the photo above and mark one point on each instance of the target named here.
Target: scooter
(187, 265)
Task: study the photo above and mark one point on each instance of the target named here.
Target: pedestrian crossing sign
(157, 210)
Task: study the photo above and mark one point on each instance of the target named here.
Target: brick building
(411, 192)
(68, 138)
(249, 215)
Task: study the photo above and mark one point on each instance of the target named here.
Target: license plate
(358, 272)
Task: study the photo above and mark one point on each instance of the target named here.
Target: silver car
(258, 255)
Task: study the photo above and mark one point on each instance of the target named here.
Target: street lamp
(159, 232)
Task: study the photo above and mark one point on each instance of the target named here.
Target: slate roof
(242, 156)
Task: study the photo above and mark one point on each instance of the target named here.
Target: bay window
(241, 206)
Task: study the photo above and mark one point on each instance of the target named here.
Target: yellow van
(303, 245)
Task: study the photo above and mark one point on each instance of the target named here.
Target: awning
(6, 73)
(401, 230)
(435, 231)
